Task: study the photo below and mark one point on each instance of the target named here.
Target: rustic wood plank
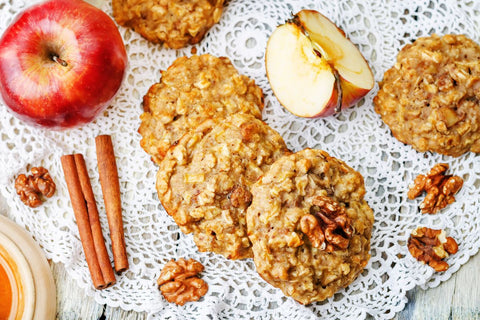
(117, 313)
(455, 299)
(72, 302)
(466, 300)
(434, 303)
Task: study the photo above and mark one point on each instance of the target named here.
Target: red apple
(313, 69)
(61, 62)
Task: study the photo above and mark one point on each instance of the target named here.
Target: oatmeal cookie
(309, 225)
(430, 98)
(204, 181)
(191, 91)
(173, 23)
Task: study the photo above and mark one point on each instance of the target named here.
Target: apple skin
(89, 69)
(351, 93)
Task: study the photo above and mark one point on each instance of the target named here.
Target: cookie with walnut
(191, 91)
(309, 225)
(430, 98)
(204, 181)
(176, 24)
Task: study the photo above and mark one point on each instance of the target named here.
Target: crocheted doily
(357, 135)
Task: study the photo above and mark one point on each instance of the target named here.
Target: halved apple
(313, 69)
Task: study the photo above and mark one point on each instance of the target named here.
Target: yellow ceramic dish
(30, 291)
(20, 281)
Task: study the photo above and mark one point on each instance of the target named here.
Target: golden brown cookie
(173, 23)
(204, 181)
(430, 98)
(309, 225)
(191, 91)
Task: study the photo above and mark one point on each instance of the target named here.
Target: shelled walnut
(440, 188)
(240, 197)
(178, 282)
(431, 246)
(31, 188)
(328, 226)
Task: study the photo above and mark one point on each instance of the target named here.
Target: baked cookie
(176, 24)
(191, 91)
(309, 225)
(204, 181)
(430, 98)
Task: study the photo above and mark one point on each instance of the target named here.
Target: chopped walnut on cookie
(440, 188)
(431, 246)
(32, 188)
(328, 227)
(179, 283)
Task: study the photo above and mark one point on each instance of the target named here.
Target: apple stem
(62, 62)
(338, 107)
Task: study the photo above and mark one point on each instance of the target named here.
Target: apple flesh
(61, 62)
(313, 69)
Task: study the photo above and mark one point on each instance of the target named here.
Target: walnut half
(440, 188)
(179, 283)
(327, 226)
(32, 188)
(431, 246)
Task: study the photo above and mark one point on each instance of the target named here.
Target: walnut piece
(240, 197)
(440, 188)
(178, 282)
(32, 188)
(431, 246)
(328, 226)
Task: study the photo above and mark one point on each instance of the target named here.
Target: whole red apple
(61, 62)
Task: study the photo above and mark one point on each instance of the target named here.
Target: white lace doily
(357, 135)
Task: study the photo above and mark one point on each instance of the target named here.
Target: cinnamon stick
(107, 170)
(99, 242)
(79, 188)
